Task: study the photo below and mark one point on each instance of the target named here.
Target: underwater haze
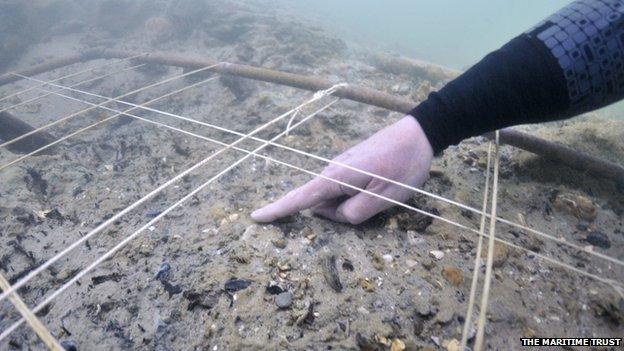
(454, 33)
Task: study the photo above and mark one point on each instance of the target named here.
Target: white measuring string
(616, 285)
(121, 244)
(610, 282)
(487, 281)
(252, 138)
(318, 95)
(38, 129)
(106, 119)
(73, 75)
(607, 281)
(438, 197)
(33, 99)
(119, 113)
(34, 322)
(475, 273)
(154, 192)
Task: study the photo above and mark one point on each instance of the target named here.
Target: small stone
(69, 345)
(428, 263)
(445, 315)
(234, 285)
(501, 253)
(417, 222)
(424, 309)
(387, 258)
(164, 272)
(453, 275)
(311, 235)
(435, 340)
(200, 299)
(146, 248)
(578, 206)
(382, 340)
(437, 254)
(273, 288)
(392, 224)
(598, 239)
(397, 345)
(284, 300)
(451, 345)
(279, 243)
(583, 226)
(363, 311)
(436, 171)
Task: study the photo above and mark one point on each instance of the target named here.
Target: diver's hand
(400, 152)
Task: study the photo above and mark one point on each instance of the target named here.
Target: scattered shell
(279, 243)
(284, 266)
(437, 254)
(366, 285)
(330, 272)
(388, 258)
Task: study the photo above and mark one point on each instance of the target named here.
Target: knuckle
(331, 171)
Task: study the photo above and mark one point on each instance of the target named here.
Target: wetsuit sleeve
(570, 63)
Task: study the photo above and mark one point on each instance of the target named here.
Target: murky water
(454, 33)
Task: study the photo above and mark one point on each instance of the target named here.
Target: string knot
(317, 96)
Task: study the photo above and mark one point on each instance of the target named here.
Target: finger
(328, 208)
(360, 208)
(310, 194)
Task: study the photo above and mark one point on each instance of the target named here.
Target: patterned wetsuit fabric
(570, 63)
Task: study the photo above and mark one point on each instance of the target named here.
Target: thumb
(361, 207)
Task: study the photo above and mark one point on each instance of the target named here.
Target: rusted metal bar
(399, 65)
(547, 149)
(52, 65)
(560, 153)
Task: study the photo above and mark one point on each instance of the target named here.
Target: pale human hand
(400, 152)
